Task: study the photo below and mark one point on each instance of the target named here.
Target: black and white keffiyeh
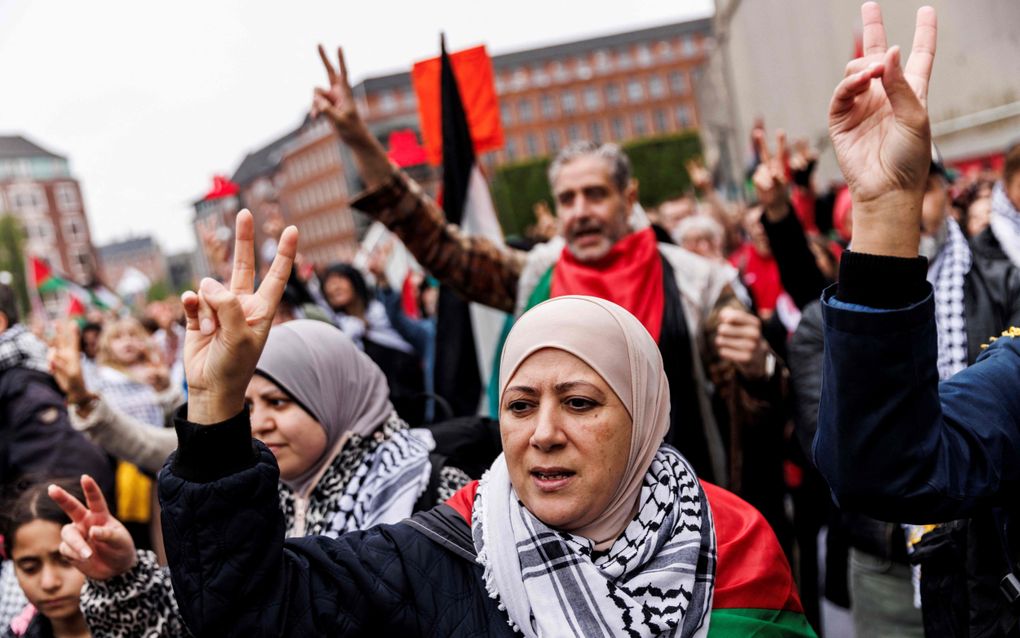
(19, 347)
(373, 480)
(946, 275)
(1005, 223)
(656, 579)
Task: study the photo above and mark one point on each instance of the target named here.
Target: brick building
(36, 185)
(612, 88)
(140, 253)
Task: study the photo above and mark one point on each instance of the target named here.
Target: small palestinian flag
(44, 279)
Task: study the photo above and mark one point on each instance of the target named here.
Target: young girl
(31, 533)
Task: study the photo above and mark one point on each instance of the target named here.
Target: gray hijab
(336, 383)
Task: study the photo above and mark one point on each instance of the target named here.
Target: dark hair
(34, 504)
(352, 275)
(1012, 163)
(9, 304)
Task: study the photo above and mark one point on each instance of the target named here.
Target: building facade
(142, 254)
(780, 60)
(37, 187)
(616, 88)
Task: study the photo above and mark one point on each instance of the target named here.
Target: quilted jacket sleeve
(232, 572)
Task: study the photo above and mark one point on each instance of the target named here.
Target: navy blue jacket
(895, 443)
(235, 575)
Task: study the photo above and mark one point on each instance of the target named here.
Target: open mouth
(551, 479)
(587, 232)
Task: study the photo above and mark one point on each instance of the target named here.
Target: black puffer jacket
(235, 575)
(36, 437)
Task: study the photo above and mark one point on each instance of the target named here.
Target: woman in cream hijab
(586, 526)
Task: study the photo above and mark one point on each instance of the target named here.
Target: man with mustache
(603, 250)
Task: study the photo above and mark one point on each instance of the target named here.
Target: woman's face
(50, 583)
(339, 291)
(127, 347)
(295, 438)
(566, 436)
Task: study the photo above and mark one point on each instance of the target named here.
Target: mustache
(583, 226)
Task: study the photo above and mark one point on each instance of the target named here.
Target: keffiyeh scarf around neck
(1005, 223)
(655, 580)
(947, 275)
(372, 480)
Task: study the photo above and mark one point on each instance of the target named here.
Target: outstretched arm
(475, 267)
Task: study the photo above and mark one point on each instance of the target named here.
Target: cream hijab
(615, 344)
(336, 383)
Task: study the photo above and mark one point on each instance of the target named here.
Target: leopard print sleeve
(139, 603)
(451, 479)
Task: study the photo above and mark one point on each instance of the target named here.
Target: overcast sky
(149, 100)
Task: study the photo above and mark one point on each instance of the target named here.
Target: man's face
(933, 210)
(592, 211)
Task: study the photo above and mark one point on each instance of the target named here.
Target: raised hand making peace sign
(227, 328)
(878, 122)
(95, 542)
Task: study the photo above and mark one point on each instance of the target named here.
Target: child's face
(50, 583)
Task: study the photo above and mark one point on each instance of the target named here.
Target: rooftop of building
(18, 147)
(127, 246)
(533, 55)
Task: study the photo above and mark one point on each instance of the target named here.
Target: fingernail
(86, 553)
(207, 326)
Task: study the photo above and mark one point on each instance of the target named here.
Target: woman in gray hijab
(347, 462)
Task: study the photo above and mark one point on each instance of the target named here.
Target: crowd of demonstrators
(677, 387)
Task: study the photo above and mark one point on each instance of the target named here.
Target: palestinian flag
(75, 308)
(463, 365)
(44, 279)
(754, 590)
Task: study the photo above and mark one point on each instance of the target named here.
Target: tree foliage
(658, 165)
(12, 257)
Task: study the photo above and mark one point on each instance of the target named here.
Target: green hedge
(658, 164)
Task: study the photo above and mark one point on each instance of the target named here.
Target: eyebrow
(567, 386)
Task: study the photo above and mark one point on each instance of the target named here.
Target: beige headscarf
(615, 344)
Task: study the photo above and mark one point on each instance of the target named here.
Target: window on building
(505, 114)
(387, 102)
(619, 133)
(678, 83)
(644, 55)
(664, 51)
(520, 81)
(656, 87)
(539, 76)
(560, 72)
(511, 148)
(659, 121)
(531, 142)
(548, 106)
(592, 100)
(552, 141)
(582, 68)
(603, 61)
(639, 123)
(410, 100)
(73, 230)
(67, 196)
(525, 110)
(595, 131)
(683, 116)
(624, 59)
(690, 47)
(613, 94)
(568, 100)
(635, 90)
(28, 198)
(574, 133)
